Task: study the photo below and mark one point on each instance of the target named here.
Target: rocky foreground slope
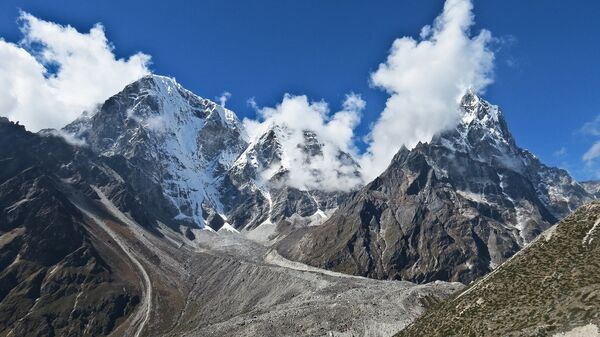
(80, 256)
(452, 209)
(551, 287)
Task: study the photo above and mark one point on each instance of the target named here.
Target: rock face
(192, 162)
(452, 209)
(550, 287)
(262, 195)
(592, 186)
(177, 142)
(58, 276)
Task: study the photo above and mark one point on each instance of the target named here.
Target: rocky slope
(551, 286)
(58, 274)
(451, 209)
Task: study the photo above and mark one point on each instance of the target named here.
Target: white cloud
(592, 128)
(55, 73)
(225, 96)
(153, 123)
(593, 152)
(295, 114)
(560, 152)
(68, 137)
(425, 79)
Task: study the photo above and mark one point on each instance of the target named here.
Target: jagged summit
(482, 131)
(476, 108)
(479, 113)
(274, 151)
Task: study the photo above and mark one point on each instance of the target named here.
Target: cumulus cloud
(426, 78)
(593, 152)
(591, 128)
(55, 73)
(225, 96)
(297, 119)
(560, 152)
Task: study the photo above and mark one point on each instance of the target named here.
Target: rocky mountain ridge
(592, 186)
(132, 229)
(59, 274)
(451, 209)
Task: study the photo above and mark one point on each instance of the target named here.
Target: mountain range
(203, 167)
(157, 214)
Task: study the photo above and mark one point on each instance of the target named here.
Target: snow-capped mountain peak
(177, 139)
(477, 110)
(480, 120)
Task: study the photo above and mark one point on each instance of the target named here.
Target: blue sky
(546, 69)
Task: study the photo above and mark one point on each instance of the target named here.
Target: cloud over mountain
(335, 132)
(425, 78)
(55, 72)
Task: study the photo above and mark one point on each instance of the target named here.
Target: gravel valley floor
(223, 284)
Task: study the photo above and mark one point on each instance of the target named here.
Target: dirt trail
(140, 319)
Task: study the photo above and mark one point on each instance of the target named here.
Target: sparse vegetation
(549, 287)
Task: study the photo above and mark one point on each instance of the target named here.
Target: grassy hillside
(552, 286)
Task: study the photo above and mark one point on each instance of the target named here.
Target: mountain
(258, 189)
(59, 274)
(549, 288)
(592, 186)
(177, 142)
(193, 163)
(451, 209)
(83, 254)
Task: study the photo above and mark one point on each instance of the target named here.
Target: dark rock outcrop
(58, 276)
